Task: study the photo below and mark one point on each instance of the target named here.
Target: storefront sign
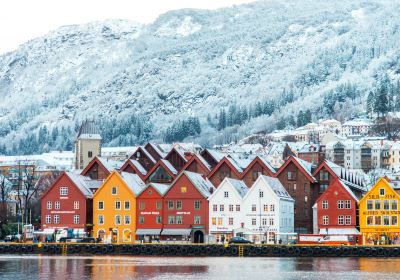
(64, 197)
(384, 212)
(377, 196)
(182, 213)
(149, 213)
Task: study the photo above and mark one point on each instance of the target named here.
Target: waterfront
(63, 268)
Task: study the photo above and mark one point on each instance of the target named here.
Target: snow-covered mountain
(194, 62)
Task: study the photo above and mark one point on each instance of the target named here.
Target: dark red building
(212, 157)
(296, 176)
(197, 164)
(185, 208)
(162, 172)
(227, 167)
(68, 202)
(144, 158)
(99, 168)
(154, 151)
(149, 210)
(133, 166)
(178, 157)
(258, 166)
(336, 210)
(313, 153)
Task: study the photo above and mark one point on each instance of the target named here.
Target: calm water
(69, 268)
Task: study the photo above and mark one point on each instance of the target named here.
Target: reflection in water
(70, 268)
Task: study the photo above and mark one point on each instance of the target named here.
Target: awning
(46, 231)
(338, 231)
(148, 231)
(177, 231)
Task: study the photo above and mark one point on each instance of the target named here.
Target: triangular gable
(164, 166)
(338, 182)
(226, 161)
(114, 173)
(258, 160)
(195, 158)
(144, 152)
(299, 166)
(327, 167)
(376, 185)
(185, 173)
(229, 181)
(175, 150)
(152, 147)
(94, 161)
(130, 164)
(156, 187)
(63, 174)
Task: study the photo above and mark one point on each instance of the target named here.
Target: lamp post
(259, 202)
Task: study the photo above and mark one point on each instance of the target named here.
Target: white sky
(22, 20)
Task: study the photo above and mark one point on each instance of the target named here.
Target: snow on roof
(138, 166)
(307, 166)
(110, 164)
(180, 151)
(169, 166)
(238, 185)
(307, 148)
(345, 174)
(357, 123)
(343, 183)
(204, 186)
(84, 184)
(239, 163)
(158, 150)
(133, 181)
(266, 162)
(147, 154)
(161, 188)
(216, 154)
(276, 186)
(204, 161)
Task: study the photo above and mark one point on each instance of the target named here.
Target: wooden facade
(224, 169)
(144, 158)
(256, 167)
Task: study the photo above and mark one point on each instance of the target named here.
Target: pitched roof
(133, 181)
(204, 186)
(110, 164)
(215, 154)
(85, 184)
(88, 130)
(302, 165)
(276, 186)
(160, 188)
(167, 167)
(263, 162)
(231, 164)
(381, 179)
(200, 160)
(238, 185)
(158, 150)
(138, 166)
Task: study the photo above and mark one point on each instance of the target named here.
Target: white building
(225, 207)
(394, 153)
(268, 212)
(356, 127)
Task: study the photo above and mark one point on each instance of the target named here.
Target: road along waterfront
(122, 267)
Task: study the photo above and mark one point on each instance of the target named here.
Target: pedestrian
(222, 239)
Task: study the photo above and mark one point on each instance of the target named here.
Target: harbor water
(94, 267)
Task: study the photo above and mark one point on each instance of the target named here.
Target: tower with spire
(87, 144)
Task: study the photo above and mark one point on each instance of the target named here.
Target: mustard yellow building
(379, 215)
(114, 207)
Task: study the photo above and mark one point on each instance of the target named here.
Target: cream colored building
(87, 144)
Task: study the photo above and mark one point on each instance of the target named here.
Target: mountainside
(266, 60)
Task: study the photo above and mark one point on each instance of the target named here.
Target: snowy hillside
(193, 63)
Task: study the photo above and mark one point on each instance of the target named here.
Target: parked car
(11, 238)
(239, 240)
(90, 240)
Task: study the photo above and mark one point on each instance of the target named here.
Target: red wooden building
(185, 208)
(258, 166)
(154, 151)
(162, 172)
(178, 157)
(68, 203)
(336, 211)
(149, 210)
(212, 157)
(197, 164)
(296, 176)
(144, 158)
(227, 167)
(313, 153)
(133, 166)
(99, 168)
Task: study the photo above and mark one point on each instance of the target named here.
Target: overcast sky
(21, 20)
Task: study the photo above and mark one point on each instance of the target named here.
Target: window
(118, 205)
(90, 154)
(57, 205)
(141, 219)
(294, 186)
(179, 205)
(394, 204)
(117, 219)
(348, 220)
(158, 205)
(179, 220)
(101, 205)
(230, 221)
(378, 220)
(64, 191)
(271, 221)
(386, 220)
(149, 192)
(214, 221)
(381, 191)
(170, 204)
(158, 219)
(340, 220)
(323, 175)
(49, 204)
(377, 205)
(197, 220)
(325, 204)
(230, 207)
(56, 219)
(76, 205)
(100, 219)
(76, 219)
(272, 208)
(340, 204)
(305, 199)
(370, 220)
(323, 188)
(264, 221)
(215, 207)
(127, 205)
(197, 205)
(291, 175)
(221, 208)
(253, 222)
(325, 220)
(370, 205)
(183, 189)
(114, 190)
(347, 204)
(238, 207)
(171, 220)
(386, 205)
(260, 194)
(226, 194)
(265, 207)
(127, 219)
(48, 219)
(394, 220)
(220, 221)
(253, 208)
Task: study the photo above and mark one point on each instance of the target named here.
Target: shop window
(370, 220)
(325, 220)
(386, 220)
(214, 221)
(394, 221)
(378, 220)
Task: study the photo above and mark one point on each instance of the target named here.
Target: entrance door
(198, 236)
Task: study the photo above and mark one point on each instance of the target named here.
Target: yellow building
(379, 215)
(114, 207)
